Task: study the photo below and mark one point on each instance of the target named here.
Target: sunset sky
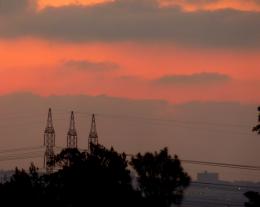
(175, 50)
(178, 73)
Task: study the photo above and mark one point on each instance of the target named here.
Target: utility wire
(224, 185)
(186, 124)
(64, 112)
(20, 149)
(217, 164)
(208, 203)
(21, 157)
(27, 150)
(228, 165)
(166, 120)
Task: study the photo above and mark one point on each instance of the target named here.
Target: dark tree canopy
(257, 127)
(99, 178)
(254, 199)
(69, 158)
(161, 178)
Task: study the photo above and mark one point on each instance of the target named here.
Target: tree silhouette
(254, 199)
(98, 178)
(161, 178)
(22, 189)
(257, 127)
(69, 157)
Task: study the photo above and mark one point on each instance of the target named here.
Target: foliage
(69, 157)
(257, 127)
(161, 178)
(254, 199)
(100, 177)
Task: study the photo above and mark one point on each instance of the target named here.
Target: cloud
(200, 1)
(211, 5)
(7, 6)
(137, 20)
(86, 65)
(16, 6)
(193, 79)
(183, 3)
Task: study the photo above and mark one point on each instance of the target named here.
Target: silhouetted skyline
(189, 130)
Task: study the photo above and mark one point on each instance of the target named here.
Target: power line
(178, 123)
(167, 120)
(196, 162)
(183, 124)
(223, 171)
(20, 149)
(217, 164)
(228, 165)
(21, 154)
(225, 185)
(212, 202)
(20, 157)
(25, 124)
(61, 112)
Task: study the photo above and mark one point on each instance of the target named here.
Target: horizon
(137, 126)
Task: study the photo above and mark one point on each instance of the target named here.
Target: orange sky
(244, 5)
(40, 68)
(44, 3)
(132, 69)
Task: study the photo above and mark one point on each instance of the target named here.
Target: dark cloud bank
(131, 20)
(198, 79)
(89, 66)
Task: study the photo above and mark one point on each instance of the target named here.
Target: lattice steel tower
(93, 136)
(49, 142)
(72, 137)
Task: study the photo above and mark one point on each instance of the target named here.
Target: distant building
(209, 191)
(208, 177)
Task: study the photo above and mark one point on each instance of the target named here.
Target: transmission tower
(72, 137)
(49, 142)
(93, 136)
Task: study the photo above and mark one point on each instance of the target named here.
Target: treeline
(254, 197)
(102, 177)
